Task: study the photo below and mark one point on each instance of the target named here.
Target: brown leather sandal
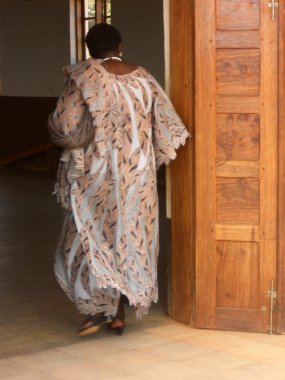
(92, 324)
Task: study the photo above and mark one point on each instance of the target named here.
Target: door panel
(236, 163)
(238, 71)
(237, 291)
(237, 15)
(237, 137)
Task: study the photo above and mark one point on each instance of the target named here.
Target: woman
(117, 127)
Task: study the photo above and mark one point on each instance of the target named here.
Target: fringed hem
(64, 287)
(143, 310)
(164, 158)
(108, 310)
(111, 311)
(62, 195)
(141, 306)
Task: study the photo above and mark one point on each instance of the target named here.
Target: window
(89, 13)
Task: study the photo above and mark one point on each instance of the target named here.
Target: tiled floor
(156, 348)
(38, 323)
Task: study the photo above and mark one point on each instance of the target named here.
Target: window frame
(81, 19)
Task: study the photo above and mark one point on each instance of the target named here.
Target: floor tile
(256, 350)
(266, 338)
(175, 330)
(82, 370)
(8, 368)
(256, 371)
(124, 376)
(278, 361)
(91, 349)
(33, 375)
(214, 375)
(45, 359)
(217, 340)
(276, 340)
(168, 370)
(175, 350)
(216, 361)
(139, 340)
(128, 360)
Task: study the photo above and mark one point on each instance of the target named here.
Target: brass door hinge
(273, 5)
(272, 294)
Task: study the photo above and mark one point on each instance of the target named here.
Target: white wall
(34, 45)
(141, 25)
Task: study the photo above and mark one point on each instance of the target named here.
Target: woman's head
(101, 39)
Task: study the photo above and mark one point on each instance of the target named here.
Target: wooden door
(236, 162)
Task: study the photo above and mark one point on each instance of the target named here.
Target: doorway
(33, 307)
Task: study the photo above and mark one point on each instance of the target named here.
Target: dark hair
(102, 38)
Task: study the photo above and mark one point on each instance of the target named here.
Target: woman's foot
(92, 324)
(118, 323)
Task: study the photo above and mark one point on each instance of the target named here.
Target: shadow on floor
(34, 313)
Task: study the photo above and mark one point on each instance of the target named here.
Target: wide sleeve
(169, 131)
(70, 125)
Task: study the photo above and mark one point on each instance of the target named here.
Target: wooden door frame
(182, 169)
(281, 180)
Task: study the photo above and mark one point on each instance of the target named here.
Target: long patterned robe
(109, 241)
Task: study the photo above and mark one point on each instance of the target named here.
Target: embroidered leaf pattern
(109, 242)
